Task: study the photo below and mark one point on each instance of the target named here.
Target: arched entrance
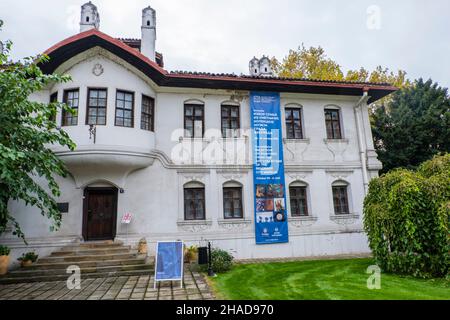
(99, 213)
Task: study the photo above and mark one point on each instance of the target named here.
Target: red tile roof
(83, 41)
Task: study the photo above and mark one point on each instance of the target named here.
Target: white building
(159, 145)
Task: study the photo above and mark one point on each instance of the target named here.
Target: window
(53, 99)
(299, 201)
(194, 120)
(230, 121)
(333, 124)
(340, 199)
(96, 111)
(232, 203)
(294, 123)
(124, 109)
(194, 203)
(71, 98)
(147, 113)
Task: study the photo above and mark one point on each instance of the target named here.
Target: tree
(313, 63)
(27, 129)
(413, 127)
(309, 63)
(406, 218)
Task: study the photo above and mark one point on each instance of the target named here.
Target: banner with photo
(271, 217)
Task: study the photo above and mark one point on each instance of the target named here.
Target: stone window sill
(307, 141)
(193, 222)
(327, 141)
(335, 217)
(234, 221)
(304, 218)
(306, 221)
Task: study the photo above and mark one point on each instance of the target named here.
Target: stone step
(88, 251)
(99, 244)
(89, 257)
(22, 273)
(51, 278)
(83, 264)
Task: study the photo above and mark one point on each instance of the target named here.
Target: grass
(321, 280)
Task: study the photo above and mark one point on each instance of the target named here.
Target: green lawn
(321, 280)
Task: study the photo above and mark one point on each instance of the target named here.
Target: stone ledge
(304, 221)
(345, 218)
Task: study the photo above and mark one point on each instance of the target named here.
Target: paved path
(112, 288)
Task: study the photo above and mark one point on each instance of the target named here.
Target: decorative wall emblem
(299, 175)
(97, 70)
(232, 176)
(337, 148)
(194, 177)
(340, 175)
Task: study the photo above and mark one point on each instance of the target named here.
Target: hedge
(406, 219)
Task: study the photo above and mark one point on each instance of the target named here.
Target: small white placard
(126, 219)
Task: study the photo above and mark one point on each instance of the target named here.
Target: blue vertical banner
(271, 218)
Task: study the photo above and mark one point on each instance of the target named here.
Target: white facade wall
(139, 162)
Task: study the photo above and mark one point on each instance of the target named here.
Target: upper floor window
(294, 123)
(333, 123)
(96, 109)
(53, 99)
(71, 99)
(230, 121)
(232, 202)
(194, 120)
(299, 200)
(124, 109)
(340, 199)
(147, 113)
(194, 203)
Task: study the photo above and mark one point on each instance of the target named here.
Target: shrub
(406, 219)
(4, 251)
(29, 256)
(190, 253)
(221, 261)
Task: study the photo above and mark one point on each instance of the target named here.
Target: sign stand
(169, 262)
(126, 220)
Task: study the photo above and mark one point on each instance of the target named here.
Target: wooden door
(100, 214)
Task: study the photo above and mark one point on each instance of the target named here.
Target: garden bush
(406, 219)
(222, 261)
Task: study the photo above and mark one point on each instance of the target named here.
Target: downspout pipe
(359, 133)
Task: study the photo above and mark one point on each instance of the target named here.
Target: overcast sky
(223, 35)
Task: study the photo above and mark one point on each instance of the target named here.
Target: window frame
(201, 189)
(298, 199)
(230, 119)
(151, 122)
(292, 122)
(124, 109)
(202, 106)
(333, 136)
(63, 113)
(88, 105)
(341, 205)
(239, 188)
